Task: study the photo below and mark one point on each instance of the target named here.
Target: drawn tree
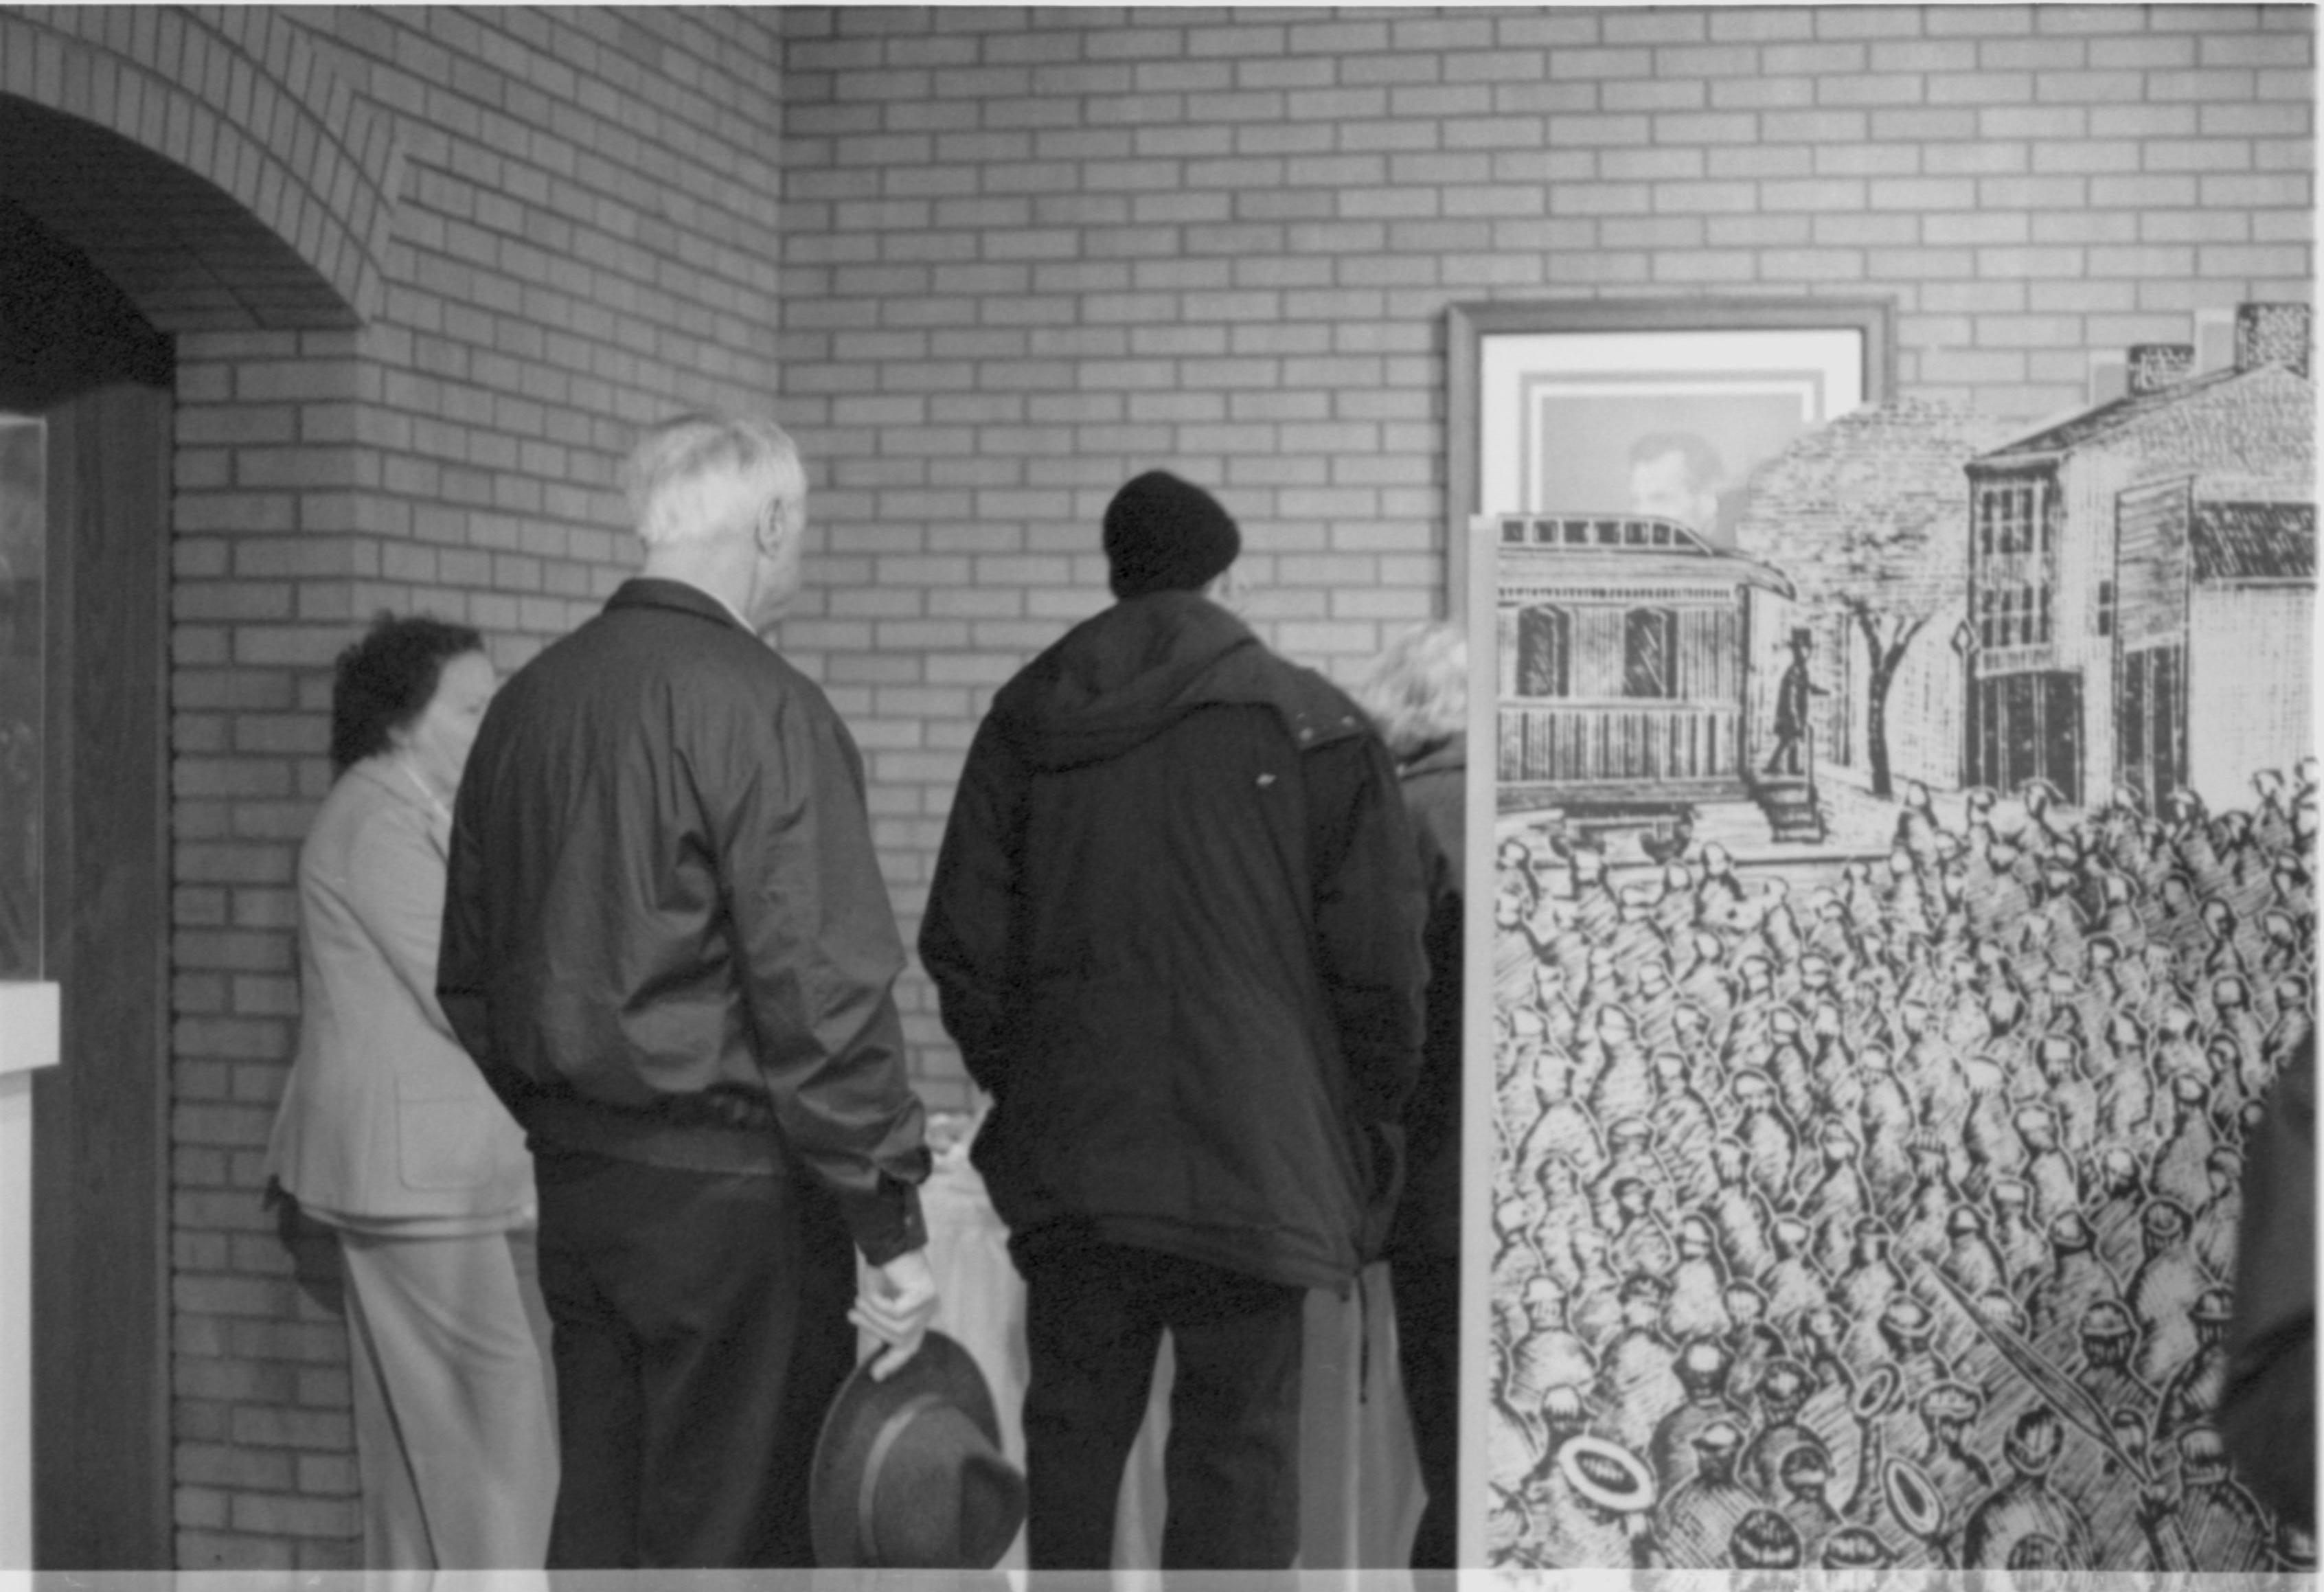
(1869, 518)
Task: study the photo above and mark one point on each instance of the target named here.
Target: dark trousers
(1427, 1292)
(1095, 1317)
(700, 1331)
(1786, 757)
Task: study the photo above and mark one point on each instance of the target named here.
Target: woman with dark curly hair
(388, 1135)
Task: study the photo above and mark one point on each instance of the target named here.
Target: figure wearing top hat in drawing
(1792, 694)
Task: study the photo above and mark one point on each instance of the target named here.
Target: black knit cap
(1163, 534)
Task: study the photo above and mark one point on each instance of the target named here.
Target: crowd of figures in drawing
(1888, 1220)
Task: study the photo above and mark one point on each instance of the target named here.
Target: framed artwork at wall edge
(1866, 1191)
(1660, 406)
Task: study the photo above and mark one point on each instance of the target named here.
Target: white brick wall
(1028, 254)
(989, 263)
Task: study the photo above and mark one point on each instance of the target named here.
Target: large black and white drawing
(1898, 915)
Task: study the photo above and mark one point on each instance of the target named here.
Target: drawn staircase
(1789, 801)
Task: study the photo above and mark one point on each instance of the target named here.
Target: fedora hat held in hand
(909, 1473)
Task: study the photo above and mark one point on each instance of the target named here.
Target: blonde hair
(700, 476)
(1417, 690)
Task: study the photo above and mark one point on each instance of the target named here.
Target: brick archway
(217, 168)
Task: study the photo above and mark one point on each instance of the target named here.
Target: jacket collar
(646, 591)
(400, 785)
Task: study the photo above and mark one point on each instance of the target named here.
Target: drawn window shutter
(1650, 653)
(1544, 652)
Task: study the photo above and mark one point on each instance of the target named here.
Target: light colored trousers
(455, 1429)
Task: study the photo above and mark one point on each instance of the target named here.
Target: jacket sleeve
(1370, 906)
(462, 989)
(967, 930)
(395, 889)
(819, 954)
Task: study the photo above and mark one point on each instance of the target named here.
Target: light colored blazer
(385, 1115)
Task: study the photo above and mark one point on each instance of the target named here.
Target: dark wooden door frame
(78, 355)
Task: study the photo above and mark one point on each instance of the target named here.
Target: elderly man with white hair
(667, 945)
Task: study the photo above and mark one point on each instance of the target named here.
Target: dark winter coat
(1175, 927)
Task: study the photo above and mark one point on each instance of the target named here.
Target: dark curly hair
(386, 680)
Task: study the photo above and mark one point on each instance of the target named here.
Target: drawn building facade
(1624, 654)
(2141, 582)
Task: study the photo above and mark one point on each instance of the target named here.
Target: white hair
(1417, 690)
(701, 476)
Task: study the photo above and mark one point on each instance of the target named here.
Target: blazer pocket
(446, 1144)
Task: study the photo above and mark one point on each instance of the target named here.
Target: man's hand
(895, 1304)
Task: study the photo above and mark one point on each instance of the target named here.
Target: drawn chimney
(2272, 333)
(2156, 365)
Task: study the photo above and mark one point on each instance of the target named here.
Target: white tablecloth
(1360, 1490)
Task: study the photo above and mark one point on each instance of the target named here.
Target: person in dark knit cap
(1163, 534)
(1176, 930)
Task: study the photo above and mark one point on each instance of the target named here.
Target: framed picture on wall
(1644, 406)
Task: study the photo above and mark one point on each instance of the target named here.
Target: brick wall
(1028, 253)
(580, 235)
(1019, 255)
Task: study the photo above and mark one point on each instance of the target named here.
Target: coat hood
(1121, 678)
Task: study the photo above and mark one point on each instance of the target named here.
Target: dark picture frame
(1560, 391)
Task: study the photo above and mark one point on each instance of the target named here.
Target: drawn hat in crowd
(1805, 1465)
(2202, 1457)
(909, 1473)
(1702, 1365)
(1607, 1474)
(2033, 1443)
(1719, 1441)
(2165, 1218)
(1951, 1401)
(1764, 1540)
(2069, 1230)
(2036, 1117)
(1785, 1384)
(1857, 1547)
(1163, 534)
